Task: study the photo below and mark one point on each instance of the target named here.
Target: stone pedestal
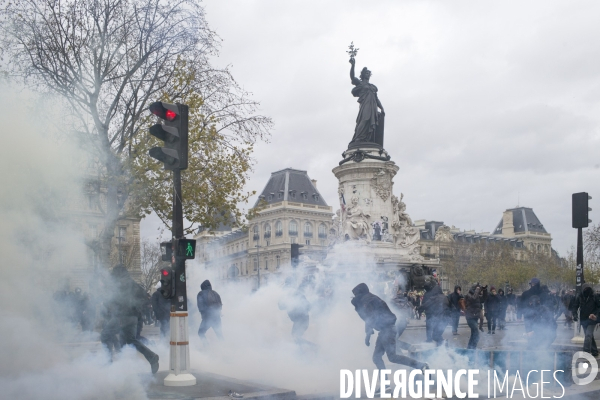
(372, 225)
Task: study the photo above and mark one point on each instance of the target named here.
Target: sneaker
(235, 395)
(481, 329)
(154, 365)
(489, 332)
(493, 332)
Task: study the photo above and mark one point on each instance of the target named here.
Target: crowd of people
(127, 307)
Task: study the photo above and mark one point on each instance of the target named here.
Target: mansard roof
(524, 220)
(291, 185)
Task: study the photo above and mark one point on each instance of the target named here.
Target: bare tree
(109, 59)
(151, 263)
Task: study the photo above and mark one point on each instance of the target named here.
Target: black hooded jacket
(473, 300)
(435, 304)
(587, 302)
(208, 301)
(371, 309)
(454, 298)
(161, 306)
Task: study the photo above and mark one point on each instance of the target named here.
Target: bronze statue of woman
(369, 122)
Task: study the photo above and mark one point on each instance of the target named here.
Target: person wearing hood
(377, 316)
(535, 289)
(511, 305)
(588, 305)
(457, 304)
(491, 310)
(162, 311)
(436, 309)
(209, 305)
(473, 300)
(124, 305)
(297, 307)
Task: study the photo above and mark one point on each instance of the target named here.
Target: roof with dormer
(291, 185)
(524, 220)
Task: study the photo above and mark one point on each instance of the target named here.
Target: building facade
(291, 211)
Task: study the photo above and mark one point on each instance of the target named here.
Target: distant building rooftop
(291, 185)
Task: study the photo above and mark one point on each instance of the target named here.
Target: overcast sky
(489, 105)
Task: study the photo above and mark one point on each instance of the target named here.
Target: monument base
(180, 380)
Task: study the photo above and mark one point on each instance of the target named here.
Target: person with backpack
(588, 305)
(436, 308)
(209, 304)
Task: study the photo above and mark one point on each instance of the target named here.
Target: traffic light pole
(579, 281)
(179, 360)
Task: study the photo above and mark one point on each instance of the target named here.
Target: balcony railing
(256, 236)
(278, 233)
(295, 233)
(267, 235)
(308, 234)
(322, 236)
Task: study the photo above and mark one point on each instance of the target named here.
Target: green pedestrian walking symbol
(189, 251)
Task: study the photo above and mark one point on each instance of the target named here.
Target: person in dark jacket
(588, 304)
(436, 308)
(491, 310)
(541, 323)
(568, 301)
(162, 311)
(377, 316)
(455, 309)
(209, 305)
(473, 300)
(502, 305)
(535, 289)
(124, 305)
(297, 307)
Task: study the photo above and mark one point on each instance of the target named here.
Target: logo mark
(580, 368)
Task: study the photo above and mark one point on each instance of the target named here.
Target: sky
(489, 105)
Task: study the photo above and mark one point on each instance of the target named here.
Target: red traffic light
(164, 110)
(165, 272)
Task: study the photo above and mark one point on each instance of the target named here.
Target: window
(304, 196)
(307, 242)
(122, 258)
(278, 228)
(122, 232)
(293, 194)
(267, 231)
(270, 197)
(266, 263)
(93, 230)
(268, 242)
(279, 195)
(293, 228)
(255, 231)
(316, 197)
(92, 203)
(255, 264)
(322, 231)
(277, 261)
(308, 229)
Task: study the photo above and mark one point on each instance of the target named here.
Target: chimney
(314, 182)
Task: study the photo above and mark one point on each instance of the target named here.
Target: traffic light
(580, 210)
(174, 132)
(167, 282)
(186, 248)
(296, 254)
(166, 250)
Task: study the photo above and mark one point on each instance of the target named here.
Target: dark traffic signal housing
(581, 210)
(167, 282)
(174, 132)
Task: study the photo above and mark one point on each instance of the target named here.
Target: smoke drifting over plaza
(487, 106)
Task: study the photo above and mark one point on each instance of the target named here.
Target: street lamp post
(258, 263)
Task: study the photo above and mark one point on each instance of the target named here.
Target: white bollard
(179, 363)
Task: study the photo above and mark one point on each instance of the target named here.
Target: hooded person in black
(588, 304)
(377, 316)
(209, 305)
(124, 304)
(436, 309)
(477, 295)
(502, 304)
(491, 310)
(162, 311)
(455, 308)
(297, 307)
